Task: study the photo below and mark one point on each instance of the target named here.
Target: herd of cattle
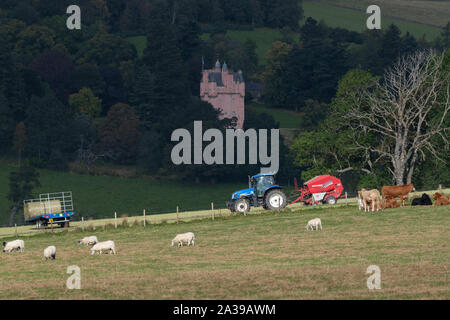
(370, 199)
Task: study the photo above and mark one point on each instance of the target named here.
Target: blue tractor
(262, 191)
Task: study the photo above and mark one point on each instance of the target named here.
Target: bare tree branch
(406, 111)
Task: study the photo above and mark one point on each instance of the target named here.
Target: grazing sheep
(50, 253)
(88, 241)
(188, 237)
(104, 246)
(18, 245)
(314, 223)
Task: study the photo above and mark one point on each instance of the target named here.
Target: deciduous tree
(407, 112)
(85, 102)
(20, 137)
(21, 185)
(118, 134)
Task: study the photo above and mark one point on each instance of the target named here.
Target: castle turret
(217, 67)
(225, 90)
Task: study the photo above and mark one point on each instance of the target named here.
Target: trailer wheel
(275, 199)
(242, 206)
(331, 200)
(66, 224)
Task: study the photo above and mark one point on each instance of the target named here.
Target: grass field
(263, 37)
(356, 20)
(265, 256)
(286, 118)
(429, 12)
(101, 196)
(140, 42)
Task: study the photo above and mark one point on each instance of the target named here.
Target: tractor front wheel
(242, 206)
(275, 199)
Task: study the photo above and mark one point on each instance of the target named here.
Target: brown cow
(397, 191)
(391, 203)
(441, 200)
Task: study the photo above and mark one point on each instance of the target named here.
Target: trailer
(49, 208)
(326, 189)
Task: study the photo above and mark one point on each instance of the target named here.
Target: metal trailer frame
(47, 215)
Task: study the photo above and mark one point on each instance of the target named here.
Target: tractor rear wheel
(242, 206)
(275, 199)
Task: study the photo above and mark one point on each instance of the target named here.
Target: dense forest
(72, 98)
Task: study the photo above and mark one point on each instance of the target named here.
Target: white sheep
(18, 245)
(50, 253)
(188, 237)
(360, 202)
(104, 246)
(314, 223)
(91, 240)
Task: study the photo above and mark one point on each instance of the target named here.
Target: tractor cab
(262, 191)
(261, 182)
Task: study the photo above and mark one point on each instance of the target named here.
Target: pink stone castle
(225, 90)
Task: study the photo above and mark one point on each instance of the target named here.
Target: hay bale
(32, 209)
(53, 206)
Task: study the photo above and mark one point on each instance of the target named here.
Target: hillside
(352, 15)
(428, 12)
(267, 256)
(420, 18)
(286, 118)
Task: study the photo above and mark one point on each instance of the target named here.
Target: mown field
(286, 118)
(430, 12)
(264, 256)
(355, 20)
(101, 196)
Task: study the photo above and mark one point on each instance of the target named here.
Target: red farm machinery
(326, 189)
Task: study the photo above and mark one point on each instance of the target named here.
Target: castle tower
(225, 90)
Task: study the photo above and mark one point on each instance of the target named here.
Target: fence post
(52, 225)
(346, 203)
(212, 210)
(440, 188)
(15, 226)
(177, 214)
(144, 218)
(115, 220)
(82, 224)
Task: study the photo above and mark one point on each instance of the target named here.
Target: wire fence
(178, 215)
